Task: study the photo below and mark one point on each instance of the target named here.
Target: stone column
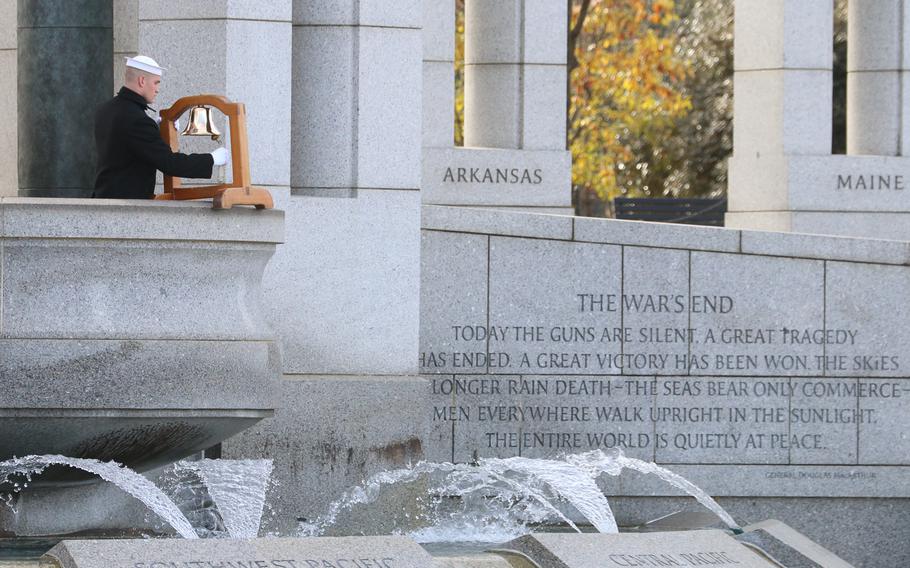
(438, 73)
(783, 72)
(873, 77)
(9, 178)
(782, 175)
(61, 81)
(241, 50)
(353, 215)
(905, 82)
(515, 108)
(515, 74)
(344, 289)
(782, 99)
(126, 36)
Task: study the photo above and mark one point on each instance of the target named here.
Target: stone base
(819, 183)
(497, 177)
(892, 225)
(858, 196)
(98, 509)
(330, 433)
(132, 330)
(864, 532)
(342, 292)
(388, 551)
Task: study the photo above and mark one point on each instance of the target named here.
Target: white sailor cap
(144, 63)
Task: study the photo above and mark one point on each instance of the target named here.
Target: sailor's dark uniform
(130, 150)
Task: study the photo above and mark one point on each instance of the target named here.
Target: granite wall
(758, 365)
(126, 36)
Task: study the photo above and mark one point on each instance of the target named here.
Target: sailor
(129, 145)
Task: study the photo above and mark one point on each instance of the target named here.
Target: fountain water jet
(598, 462)
(238, 489)
(126, 479)
(538, 483)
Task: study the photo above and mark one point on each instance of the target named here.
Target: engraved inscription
(722, 391)
(504, 175)
(860, 182)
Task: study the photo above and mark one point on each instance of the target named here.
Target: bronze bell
(201, 123)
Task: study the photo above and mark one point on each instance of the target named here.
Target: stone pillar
(438, 73)
(61, 80)
(782, 175)
(343, 291)
(354, 214)
(905, 82)
(515, 74)
(126, 36)
(782, 99)
(241, 50)
(873, 77)
(9, 178)
(782, 77)
(515, 107)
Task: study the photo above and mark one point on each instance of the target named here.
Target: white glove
(157, 120)
(220, 156)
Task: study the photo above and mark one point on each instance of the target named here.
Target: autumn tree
(459, 72)
(649, 95)
(701, 141)
(625, 92)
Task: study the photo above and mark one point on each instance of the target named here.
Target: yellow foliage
(459, 73)
(627, 87)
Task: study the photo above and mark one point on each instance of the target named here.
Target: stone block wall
(240, 50)
(758, 365)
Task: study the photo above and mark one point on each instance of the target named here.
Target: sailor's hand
(158, 121)
(220, 156)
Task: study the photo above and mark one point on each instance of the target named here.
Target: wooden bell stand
(225, 195)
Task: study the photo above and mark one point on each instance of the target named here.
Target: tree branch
(575, 32)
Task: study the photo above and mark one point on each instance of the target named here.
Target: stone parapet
(132, 330)
(487, 221)
(544, 335)
(673, 344)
